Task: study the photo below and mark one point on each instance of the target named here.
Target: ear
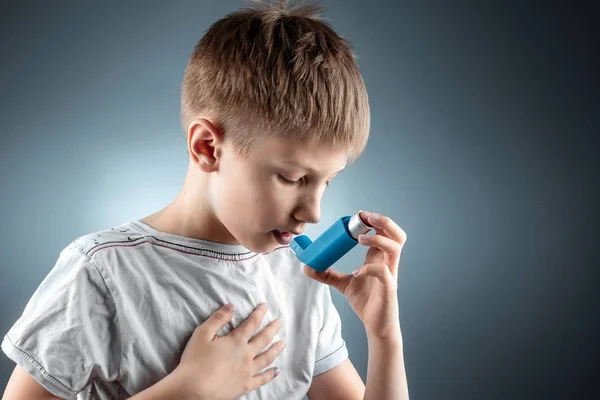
(204, 139)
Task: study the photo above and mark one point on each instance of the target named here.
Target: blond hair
(273, 70)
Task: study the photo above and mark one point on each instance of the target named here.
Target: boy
(273, 107)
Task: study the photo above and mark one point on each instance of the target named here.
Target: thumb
(329, 277)
(218, 320)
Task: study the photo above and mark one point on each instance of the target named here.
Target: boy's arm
(170, 387)
(340, 382)
(386, 377)
(22, 386)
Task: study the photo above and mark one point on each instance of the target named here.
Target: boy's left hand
(373, 293)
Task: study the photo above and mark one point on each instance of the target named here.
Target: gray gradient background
(483, 149)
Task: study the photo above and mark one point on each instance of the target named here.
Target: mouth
(283, 238)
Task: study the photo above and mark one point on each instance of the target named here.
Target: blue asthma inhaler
(336, 241)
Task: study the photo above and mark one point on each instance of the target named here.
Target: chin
(262, 245)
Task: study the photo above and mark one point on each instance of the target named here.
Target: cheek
(244, 201)
(270, 203)
(255, 202)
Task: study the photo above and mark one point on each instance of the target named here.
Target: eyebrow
(309, 169)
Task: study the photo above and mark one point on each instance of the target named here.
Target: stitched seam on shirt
(115, 308)
(324, 359)
(231, 257)
(40, 367)
(204, 250)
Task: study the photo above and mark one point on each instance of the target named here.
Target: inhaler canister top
(357, 226)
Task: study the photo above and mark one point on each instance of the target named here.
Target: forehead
(314, 156)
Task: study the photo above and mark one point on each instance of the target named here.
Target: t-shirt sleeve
(331, 347)
(67, 336)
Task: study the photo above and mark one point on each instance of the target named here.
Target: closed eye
(286, 181)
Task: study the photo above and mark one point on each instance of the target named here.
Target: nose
(309, 211)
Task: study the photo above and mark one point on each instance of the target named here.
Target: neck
(191, 213)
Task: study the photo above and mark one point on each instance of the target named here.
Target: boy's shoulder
(90, 242)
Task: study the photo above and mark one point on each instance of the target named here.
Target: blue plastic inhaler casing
(336, 241)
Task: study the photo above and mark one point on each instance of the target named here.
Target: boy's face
(250, 197)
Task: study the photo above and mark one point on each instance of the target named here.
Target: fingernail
(228, 307)
(366, 214)
(277, 371)
(364, 238)
(375, 217)
(357, 272)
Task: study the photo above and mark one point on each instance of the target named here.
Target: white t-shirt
(113, 316)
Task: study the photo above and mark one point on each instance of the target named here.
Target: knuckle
(403, 236)
(238, 339)
(220, 315)
(260, 380)
(381, 269)
(376, 238)
(258, 318)
(199, 331)
(266, 378)
(249, 356)
(261, 309)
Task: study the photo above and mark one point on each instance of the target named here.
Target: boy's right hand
(225, 367)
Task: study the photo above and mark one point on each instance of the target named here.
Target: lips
(293, 232)
(283, 238)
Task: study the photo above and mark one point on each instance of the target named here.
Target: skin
(234, 199)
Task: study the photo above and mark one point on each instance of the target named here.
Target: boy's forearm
(386, 376)
(167, 388)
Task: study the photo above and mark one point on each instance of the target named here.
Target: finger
(387, 245)
(381, 272)
(262, 339)
(329, 277)
(251, 324)
(264, 377)
(381, 242)
(387, 226)
(217, 320)
(268, 356)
